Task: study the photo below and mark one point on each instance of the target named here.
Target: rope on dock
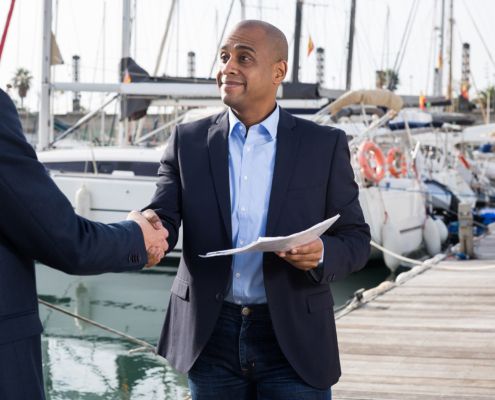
(143, 345)
(361, 297)
(398, 256)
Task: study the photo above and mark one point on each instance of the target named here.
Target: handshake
(155, 235)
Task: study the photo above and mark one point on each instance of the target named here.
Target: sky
(92, 29)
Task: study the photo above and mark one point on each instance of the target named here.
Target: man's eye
(244, 58)
(224, 57)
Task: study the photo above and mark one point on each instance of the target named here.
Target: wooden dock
(429, 336)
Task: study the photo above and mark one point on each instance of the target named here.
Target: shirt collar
(270, 123)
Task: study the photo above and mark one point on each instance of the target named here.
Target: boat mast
(243, 10)
(164, 38)
(297, 39)
(220, 40)
(44, 114)
(350, 47)
(438, 77)
(126, 51)
(451, 37)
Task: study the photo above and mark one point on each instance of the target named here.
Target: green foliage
(483, 97)
(22, 82)
(387, 79)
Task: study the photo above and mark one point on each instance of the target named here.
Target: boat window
(70, 166)
(105, 167)
(139, 168)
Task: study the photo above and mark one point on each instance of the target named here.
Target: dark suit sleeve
(166, 201)
(38, 221)
(347, 243)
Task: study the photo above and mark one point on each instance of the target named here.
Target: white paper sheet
(279, 243)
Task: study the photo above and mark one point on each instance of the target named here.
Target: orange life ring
(396, 162)
(372, 161)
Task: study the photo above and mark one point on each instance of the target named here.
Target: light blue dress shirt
(251, 163)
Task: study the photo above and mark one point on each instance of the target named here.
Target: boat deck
(431, 335)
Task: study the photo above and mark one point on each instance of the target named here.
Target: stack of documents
(279, 243)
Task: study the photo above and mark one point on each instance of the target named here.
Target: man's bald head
(274, 37)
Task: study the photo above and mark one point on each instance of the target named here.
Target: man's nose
(230, 67)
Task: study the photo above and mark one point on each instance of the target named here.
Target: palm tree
(489, 92)
(387, 78)
(22, 82)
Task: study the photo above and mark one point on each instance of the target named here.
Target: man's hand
(155, 221)
(304, 257)
(155, 236)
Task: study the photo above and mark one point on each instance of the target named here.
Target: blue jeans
(243, 361)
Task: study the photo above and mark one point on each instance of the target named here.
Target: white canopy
(376, 97)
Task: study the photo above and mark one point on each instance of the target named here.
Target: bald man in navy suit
(37, 222)
(257, 325)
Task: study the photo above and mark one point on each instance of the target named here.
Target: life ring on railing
(372, 161)
(396, 162)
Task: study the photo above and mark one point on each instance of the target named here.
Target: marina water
(86, 363)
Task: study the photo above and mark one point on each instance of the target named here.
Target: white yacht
(390, 192)
(106, 183)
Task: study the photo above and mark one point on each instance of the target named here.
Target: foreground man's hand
(304, 257)
(155, 237)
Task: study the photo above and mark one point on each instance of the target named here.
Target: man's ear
(279, 71)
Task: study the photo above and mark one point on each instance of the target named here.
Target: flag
(311, 45)
(127, 77)
(134, 107)
(440, 62)
(422, 102)
(55, 56)
(465, 90)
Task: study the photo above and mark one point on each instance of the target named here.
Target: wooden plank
(432, 337)
(438, 368)
(356, 394)
(417, 386)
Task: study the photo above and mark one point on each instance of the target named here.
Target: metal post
(44, 116)
(76, 99)
(466, 229)
(297, 44)
(320, 65)
(191, 64)
(466, 72)
(348, 80)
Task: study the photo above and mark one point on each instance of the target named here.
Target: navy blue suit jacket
(313, 180)
(37, 222)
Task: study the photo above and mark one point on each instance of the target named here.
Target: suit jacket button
(219, 296)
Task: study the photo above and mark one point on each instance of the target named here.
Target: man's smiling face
(247, 75)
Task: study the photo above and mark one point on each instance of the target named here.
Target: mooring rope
(143, 344)
(398, 256)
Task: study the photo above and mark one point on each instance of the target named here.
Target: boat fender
(83, 201)
(442, 229)
(391, 241)
(431, 237)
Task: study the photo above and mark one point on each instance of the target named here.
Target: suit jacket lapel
(287, 147)
(218, 148)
